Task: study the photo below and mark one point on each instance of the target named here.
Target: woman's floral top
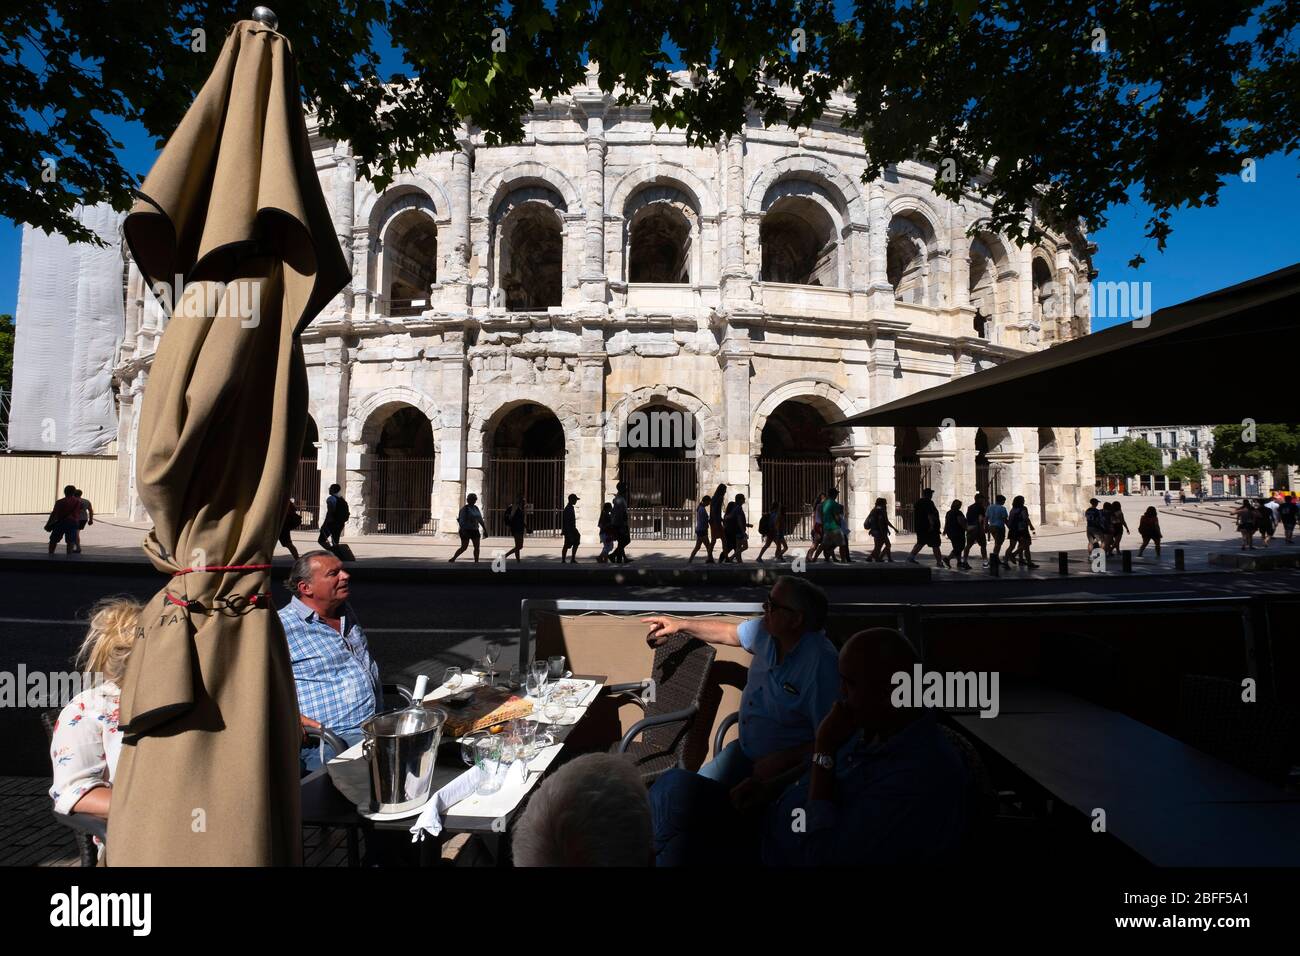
(86, 745)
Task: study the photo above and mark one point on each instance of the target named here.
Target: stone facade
(602, 266)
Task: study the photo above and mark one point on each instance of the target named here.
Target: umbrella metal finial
(267, 16)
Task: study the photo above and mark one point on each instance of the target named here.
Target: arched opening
(983, 287)
(989, 475)
(410, 245)
(659, 242)
(305, 488)
(798, 464)
(524, 455)
(1046, 301)
(907, 258)
(911, 476)
(658, 460)
(799, 244)
(532, 258)
(401, 497)
(1049, 470)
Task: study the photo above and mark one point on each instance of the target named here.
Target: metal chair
(395, 692)
(670, 699)
(84, 826)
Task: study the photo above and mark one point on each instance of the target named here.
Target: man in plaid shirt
(337, 681)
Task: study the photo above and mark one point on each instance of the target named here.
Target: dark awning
(1220, 358)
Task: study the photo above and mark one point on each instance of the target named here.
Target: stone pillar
(735, 358)
(592, 276)
(345, 178)
(453, 404)
(959, 263)
(464, 287)
(857, 497)
(333, 427)
(881, 293)
(585, 466)
(736, 279)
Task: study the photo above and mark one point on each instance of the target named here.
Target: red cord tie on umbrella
(235, 603)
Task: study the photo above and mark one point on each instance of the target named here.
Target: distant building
(1172, 441)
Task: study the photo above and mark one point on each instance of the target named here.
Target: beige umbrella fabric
(209, 771)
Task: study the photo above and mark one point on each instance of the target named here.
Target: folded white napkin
(430, 819)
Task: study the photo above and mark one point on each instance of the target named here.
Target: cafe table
(325, 806)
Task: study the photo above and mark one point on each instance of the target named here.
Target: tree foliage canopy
(1185, 469)
(1130, 456)
(1272, 445)
(1071, 105)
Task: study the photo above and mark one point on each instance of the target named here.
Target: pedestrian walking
(833, 526)
(1095, 525)
(879, 526)
(1263, 523)
(842, 519)
(336, 516)
(816, 548)
(62, 523)
(1287, 513)
(1021, 530)
(977, 530)
(468, 523)
(1149, 529)
(1182, 498)
(702, 539)
(292, 521)
(717, 506)
(86, 517)
(1169, 499)
(996, 520)
(1246, 524)
(772, 527)
(620, 525)
(926, 516)
(516, 518)
(1118, 526)
(954, 529)
(569, 528)
(739, 529)
(604, 525)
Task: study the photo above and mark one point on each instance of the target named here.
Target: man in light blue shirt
(336, 679)
(793, 682)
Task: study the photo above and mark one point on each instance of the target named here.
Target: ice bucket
(401, 747)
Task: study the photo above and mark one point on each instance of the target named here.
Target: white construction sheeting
(68, 328)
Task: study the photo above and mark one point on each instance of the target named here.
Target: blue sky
(1251, 231)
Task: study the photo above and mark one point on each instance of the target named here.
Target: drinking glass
(489, 757)
(556, 707)
(451, 679)
(467, 744)
(516, 678)
(491, 654)
(555, 666)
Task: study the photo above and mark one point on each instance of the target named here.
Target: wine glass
(451, 679)
(556, 706)
(491, 654)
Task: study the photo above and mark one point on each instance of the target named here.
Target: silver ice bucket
(401, 747)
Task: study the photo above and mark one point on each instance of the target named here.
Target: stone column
(332, 457)
(585, 468)
(736, 280)
(345, 178)
(464, 288)
(735, 358)
(960, 260)
(592, 276)
(454, 406)
(881, 293)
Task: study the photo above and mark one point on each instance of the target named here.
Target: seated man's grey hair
(808, 598)
(593, 811)
(301, 570)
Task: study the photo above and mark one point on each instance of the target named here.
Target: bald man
(885, 785)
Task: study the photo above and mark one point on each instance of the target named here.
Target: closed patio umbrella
(209, 773)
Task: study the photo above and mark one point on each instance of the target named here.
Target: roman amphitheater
(512, 307)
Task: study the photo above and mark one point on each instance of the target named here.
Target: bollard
(1178, 559)
(1126, 558)
(1063, 562)
(994, 565)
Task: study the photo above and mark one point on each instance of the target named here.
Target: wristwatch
(825, 761)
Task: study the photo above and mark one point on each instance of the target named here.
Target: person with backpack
(976, 530)
(954, 529)
(1149, 529)
(1021, 530)
(516, 518)
(1094, 524)
(292, 521)
(620, 525)
(62, 523)
(816, 547)
(569, 527)
(1246, 525)
(1287, 512)
(878, 526)
(468, 523)
(770, 527)
(996, 520)
(832, 526)
(605, 531)
(336, 516)
(1264, 522)
(702, 530)
(926, 516)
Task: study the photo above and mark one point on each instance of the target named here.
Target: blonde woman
(86, 741)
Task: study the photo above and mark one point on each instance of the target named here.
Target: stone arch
(1045, 296)
(989, 287)
(915, 207)
(402, 202)
(665, 222)
(372, 205)
(365, 423)
(660, 173)
(526, 268)
(521, 175)
(802, 234)
(825, 396)
(912, 240)
(484, 419)
(709, 427)
(803, 166)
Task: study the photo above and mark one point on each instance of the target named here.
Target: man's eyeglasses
(770, 605)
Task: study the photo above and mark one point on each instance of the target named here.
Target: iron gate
(910, 477)
(539, 480)
(796, 483)
(305, 490)
(401, 502)
(987, 480)
(662, 497)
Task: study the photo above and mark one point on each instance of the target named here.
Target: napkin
(430, 819)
